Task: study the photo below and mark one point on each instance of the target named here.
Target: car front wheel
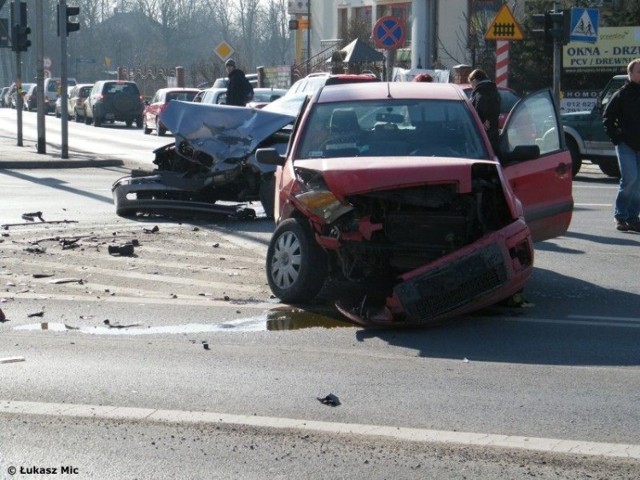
(296, 264)
(576, 161)
(160, 130)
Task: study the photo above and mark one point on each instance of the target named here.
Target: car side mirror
(269, 156)
(520, 153)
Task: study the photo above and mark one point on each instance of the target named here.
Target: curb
(62, 163)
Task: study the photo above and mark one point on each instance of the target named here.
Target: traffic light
(543, 27)
(71, 26)
(21, 42)
(552, 26)
(560, 25)
(20, 31)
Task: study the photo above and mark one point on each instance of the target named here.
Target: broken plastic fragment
(330, 400)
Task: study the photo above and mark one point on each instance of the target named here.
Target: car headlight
(317, 198)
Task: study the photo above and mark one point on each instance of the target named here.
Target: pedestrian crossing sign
(504, 26)
(584, 25)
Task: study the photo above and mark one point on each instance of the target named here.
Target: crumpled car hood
(219, 130)
(348, 176)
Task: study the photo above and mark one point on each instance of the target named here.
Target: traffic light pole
(19, 98)
(64, 125)
(557, 69)
(42, 136)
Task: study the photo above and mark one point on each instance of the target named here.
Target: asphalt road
(178, 362)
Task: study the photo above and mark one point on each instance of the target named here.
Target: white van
(51, 89)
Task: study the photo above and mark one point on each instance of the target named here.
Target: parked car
(391, 192)
(211, 160)
(223, 82)
(114, 100)
(13, 93)
(264, 96)
(214, 96)
(52, 89)
(508, 98)
(30, 99)
(198, 97)
(77, 95)
(153, 109)
(3, 97)
(314, 81)
(585, 133)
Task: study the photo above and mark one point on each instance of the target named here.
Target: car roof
(178, 89)
(377, 90)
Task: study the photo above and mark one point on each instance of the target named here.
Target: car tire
(58, 114)
(146, 130)
(576, 161)
(128, 123)
(160, 130)
(87, 120)
(296, 264)
(610, 169)
(97, 121)
(267, 194)
(139, 121)
(77, 117)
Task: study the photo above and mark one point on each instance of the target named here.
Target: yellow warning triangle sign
(504, 26)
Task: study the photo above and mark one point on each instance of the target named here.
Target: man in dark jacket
(236, 91)
(486, 100)
(621, 120)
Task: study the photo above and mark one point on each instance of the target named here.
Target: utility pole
(65, 26)
(16, 21)
(42, 135)
(64, 118)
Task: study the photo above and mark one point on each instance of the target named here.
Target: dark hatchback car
(114, 100)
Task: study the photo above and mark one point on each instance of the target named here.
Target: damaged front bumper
(482, 274)
(167, 193)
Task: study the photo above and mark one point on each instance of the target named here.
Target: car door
(542, 184)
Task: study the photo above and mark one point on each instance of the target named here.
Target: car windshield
(413, 127)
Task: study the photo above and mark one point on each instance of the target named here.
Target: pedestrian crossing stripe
(504, 26)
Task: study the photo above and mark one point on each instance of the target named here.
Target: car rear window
(121, 88)
(183, 96)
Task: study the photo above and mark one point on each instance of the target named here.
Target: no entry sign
(389, 33)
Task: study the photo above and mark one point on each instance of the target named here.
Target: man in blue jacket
(621, 120)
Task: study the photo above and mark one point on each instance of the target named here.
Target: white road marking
(582, 320)
(551, 445)
(593, 205)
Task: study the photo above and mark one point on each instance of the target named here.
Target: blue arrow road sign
(584, 25)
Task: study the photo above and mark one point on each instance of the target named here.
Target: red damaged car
(391, 192)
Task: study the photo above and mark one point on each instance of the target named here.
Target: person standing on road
(236, 91)
(486, 100)
(621, 120)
